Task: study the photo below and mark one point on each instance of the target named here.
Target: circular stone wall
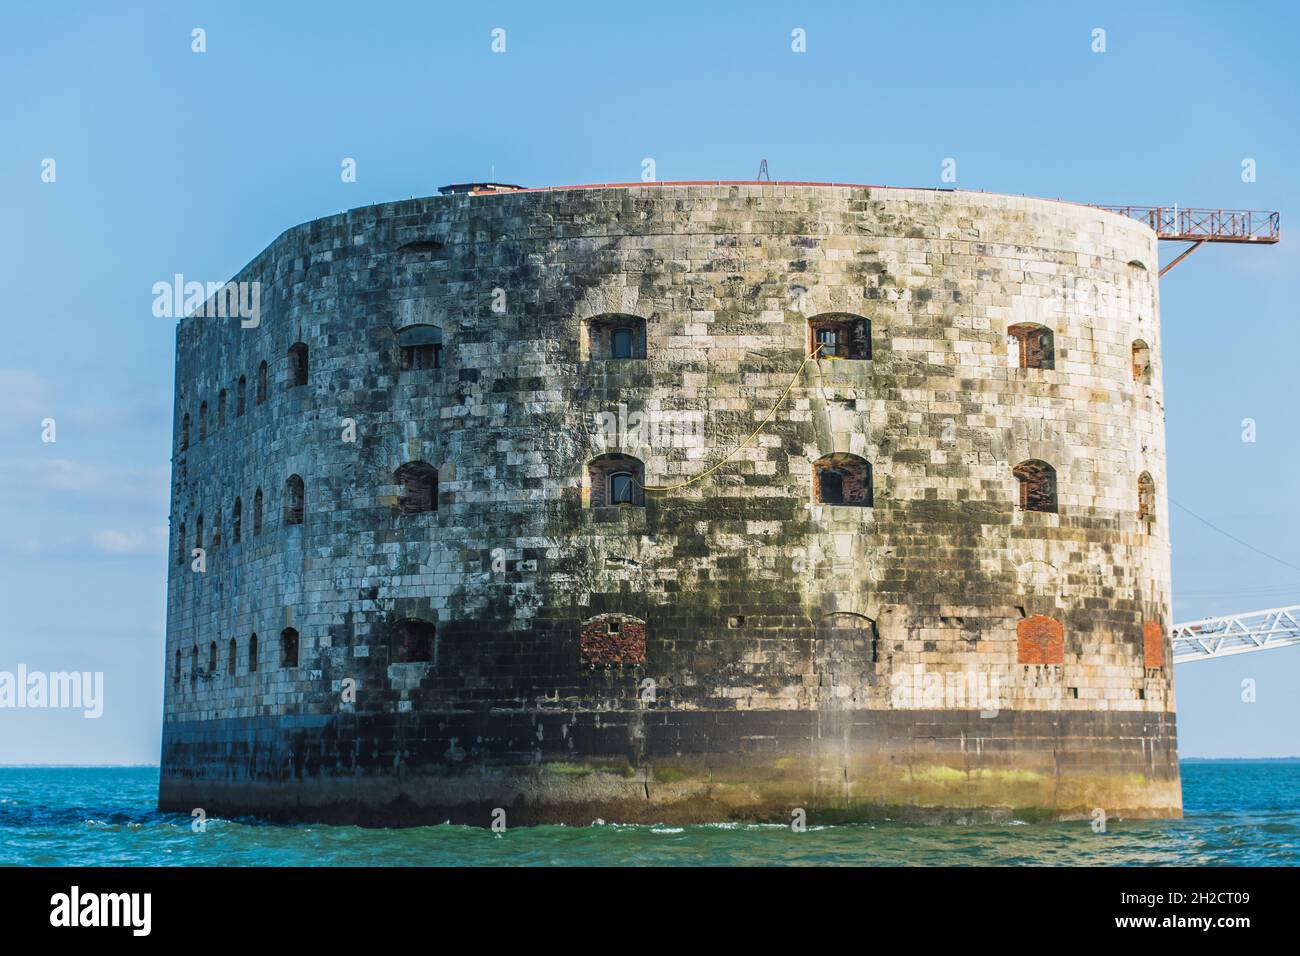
(934, 584)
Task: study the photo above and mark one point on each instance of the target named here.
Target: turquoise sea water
(1236, 813)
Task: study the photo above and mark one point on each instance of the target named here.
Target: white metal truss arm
(1215, 637)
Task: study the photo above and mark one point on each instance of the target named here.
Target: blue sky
(170, 161)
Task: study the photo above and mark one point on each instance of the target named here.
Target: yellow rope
(658, 489)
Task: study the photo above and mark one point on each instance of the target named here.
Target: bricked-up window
(1037, 485)
(233, 660)
(194, 663)
(617, 480)
(295, 500)
(411, 642)
(1146, 498)
(1031, 346)
(417, 484)
(181, 551)
(252, 654)
(842, 479)
(297, 365)
(1141, 362)
(616, 337)
(221, 408)
(1153, 644)
(216, 530)
(261, 383)
(420, 347)
(1040, 640)
(257, 512)
(185, 432)
(841, 336)
(288, 647)
(212, 658)
(241, 396)
(203, 420)
(237, 521)
(612, 640)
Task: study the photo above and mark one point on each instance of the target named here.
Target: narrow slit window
(294, 500)
(297, 365)
(288, 647)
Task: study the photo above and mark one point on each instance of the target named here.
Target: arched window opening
(185, 432)
(1037, 485)
(1031, 346)
(420, 347)
(232, 661)
(198, 532)
(221, 408)
(237, 521)
(241, 395)
(176, 672)
(1141, 362)
(203, 420)
(412, 642)
(841, 336)
(417, 484)
(194, 663)
(212, 658)
(294, 500)
(1146, 498)
(617, 480)
(257, 512)
(261, 383)
(288, 647)
(182, 552)
(297, 364)
(842, 479)
(616, 337)
(252, 654)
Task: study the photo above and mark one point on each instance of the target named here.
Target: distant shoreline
(78, 766)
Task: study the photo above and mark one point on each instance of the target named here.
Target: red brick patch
(611, 640)
(1040, 640)
(1153, 644)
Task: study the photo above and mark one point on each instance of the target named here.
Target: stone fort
(676, 502)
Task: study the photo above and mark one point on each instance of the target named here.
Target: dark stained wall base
(675, 766)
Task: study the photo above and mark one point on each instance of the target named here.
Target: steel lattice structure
(1214, 637)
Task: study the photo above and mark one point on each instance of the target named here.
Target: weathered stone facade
(887, 656)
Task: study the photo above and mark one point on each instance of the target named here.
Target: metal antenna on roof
(762, 171)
